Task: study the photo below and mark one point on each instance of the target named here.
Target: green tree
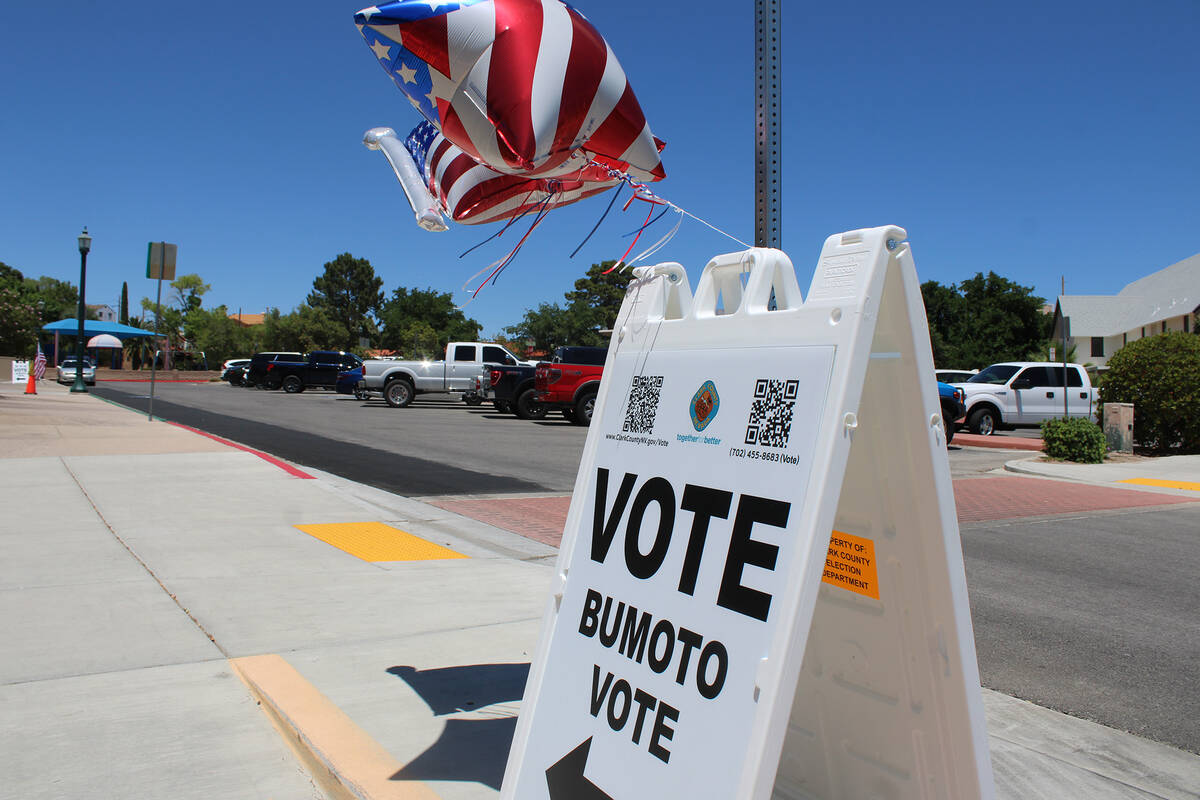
(543, 329)
(211, 331)
(426, 317)
(189, 289)
(349, 294)
(594, 303)
(123, 314)
(983, 320)
(303, 329)
(20, 320)
(592, 306)
(55, 299)
(169, 321)
(1160, 375)
(26, 304)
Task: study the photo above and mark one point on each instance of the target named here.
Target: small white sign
(20, 372)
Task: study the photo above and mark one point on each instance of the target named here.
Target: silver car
(66, 371)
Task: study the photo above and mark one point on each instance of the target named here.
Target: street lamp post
(85, 244)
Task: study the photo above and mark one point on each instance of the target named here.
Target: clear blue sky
(1034, 139)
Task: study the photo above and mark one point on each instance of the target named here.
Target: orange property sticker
(850, 564)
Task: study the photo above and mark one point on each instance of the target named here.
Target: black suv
(260, 365)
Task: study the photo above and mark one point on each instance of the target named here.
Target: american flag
(524, 88)
(39, 363)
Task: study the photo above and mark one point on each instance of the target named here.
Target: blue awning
(92, 327)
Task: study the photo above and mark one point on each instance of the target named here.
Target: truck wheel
(528, 407)
(948, 424)
(473, 401)
(362, 394)
(399, 393)
(583, 409)
(983, 421)
(503, 406)
(293, 385)
(568, 414)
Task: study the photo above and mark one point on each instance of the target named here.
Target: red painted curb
(1000, 442)
(288, 468)
(156, 380)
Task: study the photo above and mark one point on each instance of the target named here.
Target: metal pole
(1064, 332)
(767, 149)
(154, 358)
(79, 385)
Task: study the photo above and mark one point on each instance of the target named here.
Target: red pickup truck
(571, 381)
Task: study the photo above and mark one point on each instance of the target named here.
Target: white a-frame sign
(760, 591)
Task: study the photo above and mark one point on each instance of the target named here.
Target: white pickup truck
(401, 381)
(1023, 393)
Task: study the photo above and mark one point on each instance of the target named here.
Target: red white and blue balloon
(526, 105)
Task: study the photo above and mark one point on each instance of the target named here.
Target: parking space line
(375, 541)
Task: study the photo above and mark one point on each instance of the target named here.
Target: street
(1091, 613)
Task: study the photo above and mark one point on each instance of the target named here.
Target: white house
(104, 313)
(1100, 325)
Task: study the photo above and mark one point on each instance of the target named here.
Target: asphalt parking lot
(437, 446)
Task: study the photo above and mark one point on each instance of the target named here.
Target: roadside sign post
(760, 590)
(160, 263)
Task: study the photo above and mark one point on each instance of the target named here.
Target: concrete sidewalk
(161, 566)
(1177, 475)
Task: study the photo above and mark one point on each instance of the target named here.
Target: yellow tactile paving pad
(1195, 487)
(374, 541)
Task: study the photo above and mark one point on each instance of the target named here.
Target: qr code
(643, 404)
(770, 421)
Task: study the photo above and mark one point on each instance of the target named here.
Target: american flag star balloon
(527, 105)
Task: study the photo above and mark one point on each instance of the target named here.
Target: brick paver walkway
(978, 500)
(539, 518)
(1004, 497)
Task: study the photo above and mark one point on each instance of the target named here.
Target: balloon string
(654, 248)
(507, 225)
(543, 210)
(602, 216)
(656, 219)
(645, 192)
(621, 261)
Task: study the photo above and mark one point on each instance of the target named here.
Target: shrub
(1073, 440)
(1160, 375)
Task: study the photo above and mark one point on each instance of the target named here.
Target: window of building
(1097, 347)
(1185, 323)
(1164, 330)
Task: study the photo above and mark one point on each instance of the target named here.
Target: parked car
(318, 369)
(1023, 393)
(68, 367)
(234, 371)
(953, 407)
(513, 387)
(260, 366)
(571, 384)
(401, 381)
(348, 383)
(955, 375)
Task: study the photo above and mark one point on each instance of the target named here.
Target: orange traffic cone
(31, 384)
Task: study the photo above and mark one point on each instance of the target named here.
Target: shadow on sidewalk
(472, 748)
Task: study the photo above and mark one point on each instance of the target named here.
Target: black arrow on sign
(565, 778)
